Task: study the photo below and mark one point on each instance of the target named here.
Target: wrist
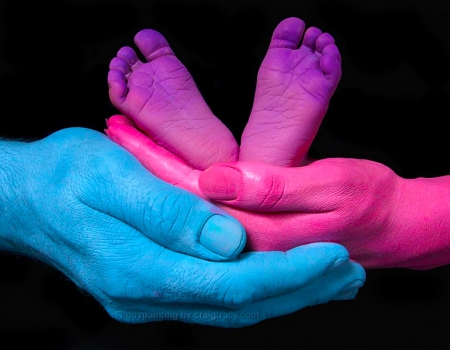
(421, 223)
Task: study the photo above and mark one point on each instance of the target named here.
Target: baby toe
(310, 38)
(129, 56)
(152, 44)
(323, 41)
(288, 33)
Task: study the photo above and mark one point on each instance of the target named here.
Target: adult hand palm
(347, 201)
(135, 243)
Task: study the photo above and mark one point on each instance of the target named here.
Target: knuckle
(237, 299)
(236, 296)
(276, 189)
(345, 183)
(166, 213)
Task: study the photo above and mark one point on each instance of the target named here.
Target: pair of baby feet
(295, 83)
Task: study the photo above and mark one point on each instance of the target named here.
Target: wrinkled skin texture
(90, 209)
(358, 203)
(349, 201)
(293, 90)
(382, 219)
(162, 99)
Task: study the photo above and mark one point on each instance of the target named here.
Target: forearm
(421, 230)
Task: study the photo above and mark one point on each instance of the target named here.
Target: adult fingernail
(336, 264)
(351, 286)
(223, 236)
(221, 183)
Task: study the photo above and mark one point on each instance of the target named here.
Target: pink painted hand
(382, 219)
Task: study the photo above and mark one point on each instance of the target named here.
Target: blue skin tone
(146, 250)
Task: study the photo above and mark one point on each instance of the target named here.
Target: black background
(391, 106)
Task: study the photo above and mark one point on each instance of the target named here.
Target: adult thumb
(170, 216)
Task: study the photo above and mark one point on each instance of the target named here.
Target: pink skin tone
(294, 87)
(292, 95)
(382, 219)
(161, 97)
(311, 72)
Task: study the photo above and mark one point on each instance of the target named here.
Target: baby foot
(294, 87)
(161, 97)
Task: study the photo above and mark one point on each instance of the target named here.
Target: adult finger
(118, 185)
(329, 287)
(232, 285)
(252, 276)
(342, 283)
(157, 160)
(265, 187)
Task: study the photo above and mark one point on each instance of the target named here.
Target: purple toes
(118, 63)
(152, 44)
(330, 63)
(290, 122)
(120, 69)
(130, 57)
(310, 38)
(117, 86)
(288, 34)
(323, 41)
(332, 50)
